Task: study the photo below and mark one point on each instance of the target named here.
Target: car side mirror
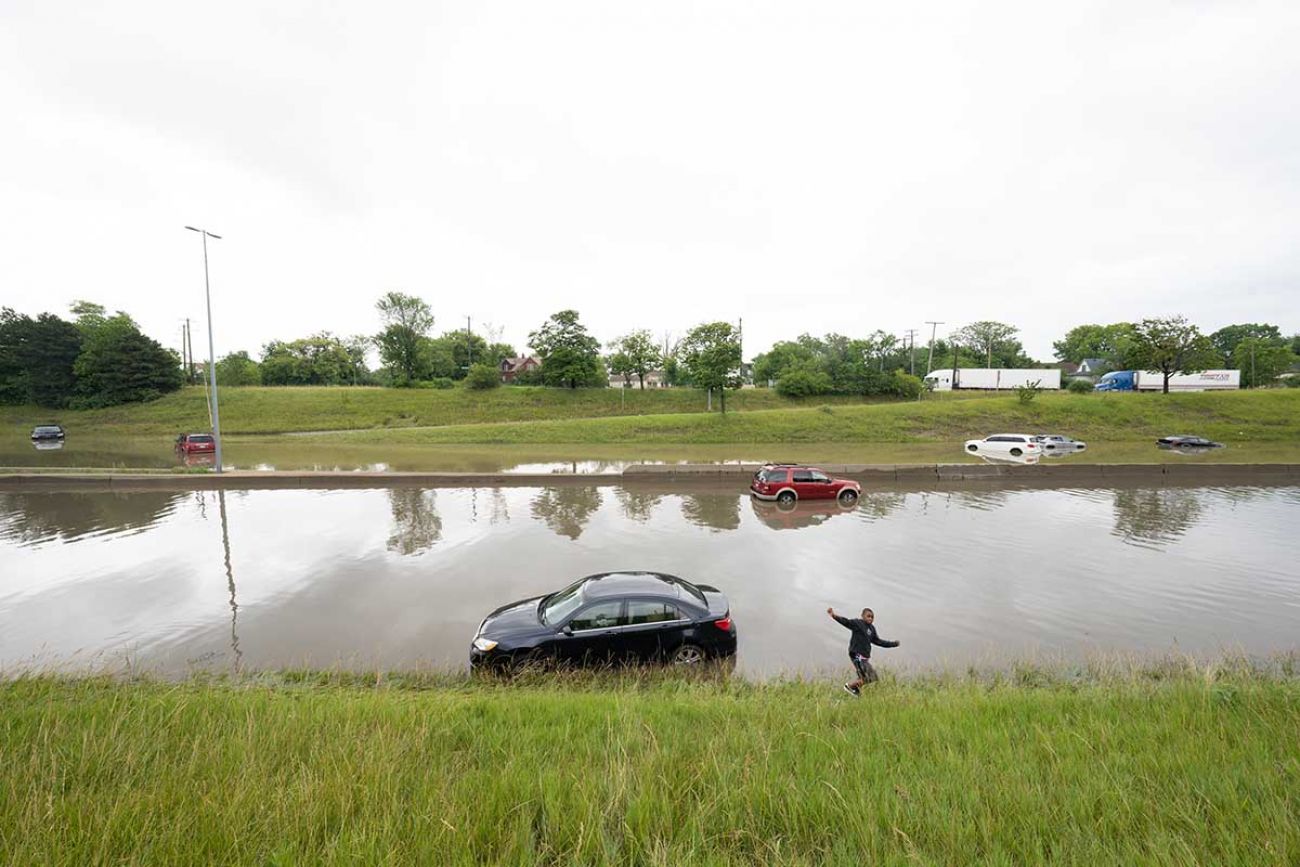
(567, 629)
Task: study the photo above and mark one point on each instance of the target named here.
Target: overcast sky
(829, 166)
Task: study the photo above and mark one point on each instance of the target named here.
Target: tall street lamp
(212, 361)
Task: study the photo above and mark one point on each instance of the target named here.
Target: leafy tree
(570, 356)
(321, 359)
(635, 354)
(403, 344)
(804, 380)
(1225, 340)
(1262, 360)
(987, 337)
(1111, 342)
(89, 315)
(483, 376)
(119, 364)
(784, 355)
(1171, 345)
(711, 355)
(880, 347)
(37, 358)
(238, 369)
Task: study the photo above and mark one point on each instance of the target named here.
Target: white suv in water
(1003, 445)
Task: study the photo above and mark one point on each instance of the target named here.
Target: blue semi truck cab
(1117, 380)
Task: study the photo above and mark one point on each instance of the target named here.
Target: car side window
(602, 615)
(820, 477)
(648, 611)
(772, 476)
(803, 476)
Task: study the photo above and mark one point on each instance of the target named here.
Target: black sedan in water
(1187, 442)
(610, 618)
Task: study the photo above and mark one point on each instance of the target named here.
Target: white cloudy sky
(813, 167)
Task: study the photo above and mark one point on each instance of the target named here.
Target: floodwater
(325, 452)
(400, 578)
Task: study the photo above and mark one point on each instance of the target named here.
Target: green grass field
(1176, 766)
(1232, 417)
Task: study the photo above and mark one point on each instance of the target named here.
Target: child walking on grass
(864, 635)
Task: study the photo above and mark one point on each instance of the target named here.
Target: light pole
(212, 360)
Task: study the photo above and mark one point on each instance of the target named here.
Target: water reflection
(36, 518)
(795, 516)
(1155, 517)
(47, 445)
(417, 527)
(237, 655)
(874, 505)
(714, 511)
(566, 510)
(637, 505)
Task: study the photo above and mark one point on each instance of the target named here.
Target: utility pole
(911, 343)
(1252, 363)
(212, 360)
(929, 365)
(469, 345)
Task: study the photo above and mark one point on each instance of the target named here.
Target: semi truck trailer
(1154, 380)
(993, 379)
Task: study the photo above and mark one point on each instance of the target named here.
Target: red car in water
(786, 483)
(196, 443)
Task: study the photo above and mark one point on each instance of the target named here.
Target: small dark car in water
(195, 443)
(47, 432)
(1187, 442)
(614, 617)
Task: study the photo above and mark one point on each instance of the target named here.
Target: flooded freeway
(400, 578)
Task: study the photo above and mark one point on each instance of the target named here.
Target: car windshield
(560, 605)
(47, 428)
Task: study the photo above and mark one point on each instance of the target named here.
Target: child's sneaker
(852, 690)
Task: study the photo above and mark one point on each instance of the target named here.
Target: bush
(804, 381)
(483, 376)
(906, 386)
(1026, 393)
(442, 383)
(1079, 386)
(1291, 381)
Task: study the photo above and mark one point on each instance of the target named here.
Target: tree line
(94, 360)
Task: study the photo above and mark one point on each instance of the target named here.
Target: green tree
(711, 355)
(1262, 360)
(988, 337)
(37, 358)
(403, 344)
(238, 369)
(804, 380)
(570, 356)
(635, 354)
(1225, 340)
(1171, 345)
(118, 364)
(321, 359)
(89, 315)
(483, 376)
(1111, 342)
(784, 355)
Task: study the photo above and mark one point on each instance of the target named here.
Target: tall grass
(1233, 417)
(1175, 767)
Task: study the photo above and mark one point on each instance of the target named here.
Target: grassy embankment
(1232, 417)
(288, 409)
(1176, 767)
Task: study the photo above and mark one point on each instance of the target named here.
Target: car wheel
(1015, 453)
(848, 497)
(785, 497)
(687, 654)
(972, 448)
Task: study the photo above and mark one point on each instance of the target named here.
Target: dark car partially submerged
(614, 617)
(47, 432)
(1187, 442)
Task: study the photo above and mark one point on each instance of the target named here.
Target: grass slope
(281, 410)
(1234, 417)
(1188, 770)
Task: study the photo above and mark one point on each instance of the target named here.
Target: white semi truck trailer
(993, 378)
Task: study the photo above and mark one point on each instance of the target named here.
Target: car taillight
(724, 624)
(1031, 445)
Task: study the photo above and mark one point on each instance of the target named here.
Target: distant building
(512, 367)
(653, 379)
(1094, 367)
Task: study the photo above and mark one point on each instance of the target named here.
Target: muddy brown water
(400, 578)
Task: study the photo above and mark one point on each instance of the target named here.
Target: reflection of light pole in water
(230, 580)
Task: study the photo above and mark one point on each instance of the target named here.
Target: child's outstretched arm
(881, 642)
(842, 621)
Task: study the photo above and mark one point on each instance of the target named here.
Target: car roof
(630, 584)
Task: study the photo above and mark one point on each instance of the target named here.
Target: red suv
(786, 483)
(188, 444)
